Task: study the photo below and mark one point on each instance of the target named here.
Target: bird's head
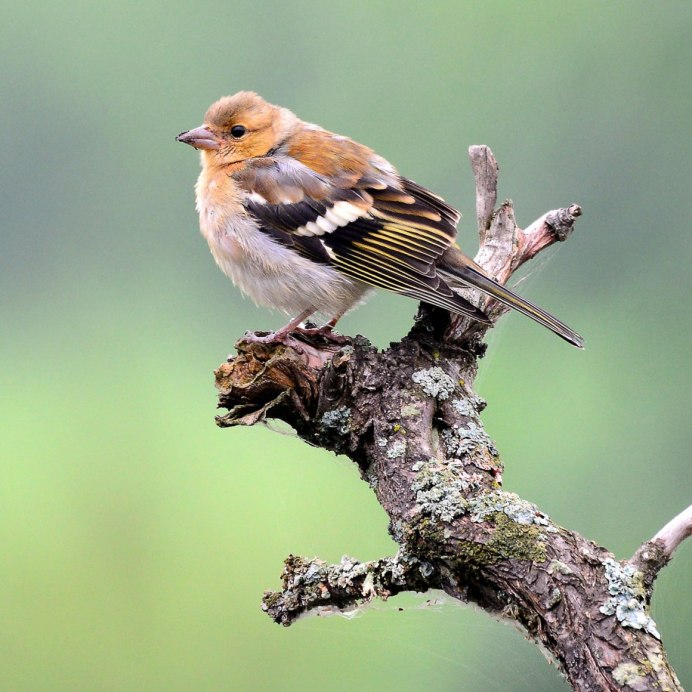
(239, 127)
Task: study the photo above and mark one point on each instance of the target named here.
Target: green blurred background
(137, 538)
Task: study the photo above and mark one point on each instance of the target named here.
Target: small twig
(656, 553)
(555, 226)
(675, 531)
(485, 171)
(314, 585)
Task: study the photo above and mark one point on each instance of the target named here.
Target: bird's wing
(360, 217)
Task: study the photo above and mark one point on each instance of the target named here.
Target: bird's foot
(310, 334)
(266, 337)
(324, 333)
(305, 340)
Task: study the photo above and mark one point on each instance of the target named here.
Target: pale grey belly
(276, 277)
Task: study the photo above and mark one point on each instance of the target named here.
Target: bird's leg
(332, 323)
(293, 329)
(280, 335)
(325, 331)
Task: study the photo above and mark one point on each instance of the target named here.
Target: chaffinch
(307, 221)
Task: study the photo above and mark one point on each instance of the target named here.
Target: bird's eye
(238, 131)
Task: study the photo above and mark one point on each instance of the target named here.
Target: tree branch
(313, 585)
(485, 171)
(675, 532)
(655, 554)
(409, 418)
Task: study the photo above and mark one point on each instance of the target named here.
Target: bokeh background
(137, 538)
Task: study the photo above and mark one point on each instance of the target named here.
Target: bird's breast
(270, 273)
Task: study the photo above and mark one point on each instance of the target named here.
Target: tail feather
(449, 300)
(472, 277)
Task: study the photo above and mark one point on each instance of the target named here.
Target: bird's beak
(199, 138)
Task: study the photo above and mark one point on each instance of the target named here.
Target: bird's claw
(325, 332)
(311, 336)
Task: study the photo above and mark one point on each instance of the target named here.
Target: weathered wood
(409, 418)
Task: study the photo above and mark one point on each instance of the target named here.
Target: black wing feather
(395, 244)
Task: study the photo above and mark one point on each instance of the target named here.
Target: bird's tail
(456, 271)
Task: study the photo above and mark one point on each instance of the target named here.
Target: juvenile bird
(307, 221)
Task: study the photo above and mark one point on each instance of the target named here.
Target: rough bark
(409, 418)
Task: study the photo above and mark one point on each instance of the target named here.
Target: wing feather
(372, 225)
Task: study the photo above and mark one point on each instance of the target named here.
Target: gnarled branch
(409, 418)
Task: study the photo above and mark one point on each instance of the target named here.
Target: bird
(307, 221)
